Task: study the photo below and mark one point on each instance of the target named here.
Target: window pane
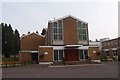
(55, 24)
(80, 37)
(83, 31)
(81, 54)
(79, 24)
(60, 36)
(55, 37)
(79, 31)
(55, 54)
(59, 30)
(84, 26)
(84, 37)
(55, 30)
(86, 54)
(60, 54)
(59, 23)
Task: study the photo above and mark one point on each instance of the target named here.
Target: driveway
(104, 70)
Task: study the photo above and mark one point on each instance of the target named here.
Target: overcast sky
(102, 17)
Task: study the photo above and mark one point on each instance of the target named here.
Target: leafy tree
(43, 31)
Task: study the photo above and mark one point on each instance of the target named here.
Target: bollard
(6, 65)
(24, 63)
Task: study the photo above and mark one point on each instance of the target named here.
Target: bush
(104, 59)
(9, 59)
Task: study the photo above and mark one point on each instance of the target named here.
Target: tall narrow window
(58, 55)
(82, 31)
(83, 54)
(55, 54)
(57, 29)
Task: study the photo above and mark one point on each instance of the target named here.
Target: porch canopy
(73, 46)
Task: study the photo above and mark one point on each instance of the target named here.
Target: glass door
(83, 55)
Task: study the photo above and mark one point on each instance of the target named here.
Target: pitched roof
(30, 34)
(66, 17)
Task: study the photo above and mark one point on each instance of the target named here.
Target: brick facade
(25, 57)
(110, 48)
(70, 31)
(31, 42)
(29, 45)
(94, 53)
(47, 53)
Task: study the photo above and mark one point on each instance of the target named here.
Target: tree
(28, 32)
(37, 32)
(90, 40)
(43, 31)
(96, 40)
(7, 40)
(16, 42)
(10, 40)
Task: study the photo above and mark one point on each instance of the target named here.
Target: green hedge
(9, 59)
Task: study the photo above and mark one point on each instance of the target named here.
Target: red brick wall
(70, 31)
(32, 42)
(48, 57)
(94, 56)
(25, 57)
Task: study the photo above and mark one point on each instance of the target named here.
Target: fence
(13, 64)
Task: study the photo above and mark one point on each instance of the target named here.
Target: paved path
(75, 65)
(105, 70)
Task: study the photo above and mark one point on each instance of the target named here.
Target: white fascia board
(32, 33)
(58, 47)
(73, 45)
(30, 51)
(46, 46)
(114, 48)
(106, 49)
(66, 17)
(84, 47)
(34, 51)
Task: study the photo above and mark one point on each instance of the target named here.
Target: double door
(71, 55)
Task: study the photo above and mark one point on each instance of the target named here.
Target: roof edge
(66, 17)
(32, 33)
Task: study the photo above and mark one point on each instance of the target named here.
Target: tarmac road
(104, 70)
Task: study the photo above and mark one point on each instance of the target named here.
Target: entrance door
(71, 55)
(34, 57)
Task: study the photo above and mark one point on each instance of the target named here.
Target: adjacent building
(111, 48)
(29, 46)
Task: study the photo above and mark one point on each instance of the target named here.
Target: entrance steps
(45, 63)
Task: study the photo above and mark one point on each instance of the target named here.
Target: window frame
(80, 31)
(59, 31)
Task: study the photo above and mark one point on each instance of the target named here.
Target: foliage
(9, 59)
(104, 58)
(10, 40)
(43, 31)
